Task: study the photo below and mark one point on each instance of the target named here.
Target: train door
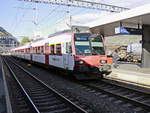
(67, 57)
(46, 52)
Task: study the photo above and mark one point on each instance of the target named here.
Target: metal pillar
(146, 46)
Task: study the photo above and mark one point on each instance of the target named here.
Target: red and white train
(82, 54)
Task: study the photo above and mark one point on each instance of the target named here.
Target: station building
(7, 43)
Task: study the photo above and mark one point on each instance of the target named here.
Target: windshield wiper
(94, 52)
(80, 51)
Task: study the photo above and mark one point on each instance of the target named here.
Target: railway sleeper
(42, 97)
(45, 100)
(51, 108)
(48, 103)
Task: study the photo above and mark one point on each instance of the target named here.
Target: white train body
(61, 51)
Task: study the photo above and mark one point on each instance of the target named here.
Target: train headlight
(80, 62)
(103, 61)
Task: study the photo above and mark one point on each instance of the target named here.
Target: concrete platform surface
(2, 93)
(132, 73)
(133, 67)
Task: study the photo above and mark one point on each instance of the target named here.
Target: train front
(90, 59)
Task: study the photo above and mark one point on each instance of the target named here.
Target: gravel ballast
(99, 103)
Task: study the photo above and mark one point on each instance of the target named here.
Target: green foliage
(25, 40)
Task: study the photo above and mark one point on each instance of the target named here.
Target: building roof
(133, 17)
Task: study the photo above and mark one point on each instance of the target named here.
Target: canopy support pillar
(146, 46)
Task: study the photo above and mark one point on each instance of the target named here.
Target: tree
(25, 40)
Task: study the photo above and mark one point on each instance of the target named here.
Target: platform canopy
(131, 18)
(137, 17)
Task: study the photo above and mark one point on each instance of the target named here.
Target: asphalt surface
(2, 94)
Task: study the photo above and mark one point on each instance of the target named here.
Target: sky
(20, 19)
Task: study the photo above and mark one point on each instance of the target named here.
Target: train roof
(41, 42)
(73, 29)
(28, 45)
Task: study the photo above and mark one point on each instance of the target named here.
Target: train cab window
(68, 47)
(97, 45)
(58, 49)
(88, 44)
(52, 49)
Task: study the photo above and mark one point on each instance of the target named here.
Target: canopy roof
(130, 18)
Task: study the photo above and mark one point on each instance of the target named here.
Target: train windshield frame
(87, 44)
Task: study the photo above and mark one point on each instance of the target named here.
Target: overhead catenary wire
(20, 21)
(14, 22)
(61, 16)
(54, 24)
(68, 16)
(55, 14)
(50, 13)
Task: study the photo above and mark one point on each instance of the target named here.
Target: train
(80, 53)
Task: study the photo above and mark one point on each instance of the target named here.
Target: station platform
(131, 73)
(2, 92)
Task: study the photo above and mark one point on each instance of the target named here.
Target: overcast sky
(50, 18)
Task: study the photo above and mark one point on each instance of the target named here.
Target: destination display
(127, 30)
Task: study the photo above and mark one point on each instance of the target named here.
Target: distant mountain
(3, 32)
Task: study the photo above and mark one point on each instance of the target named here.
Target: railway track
(138, 100)
(40, 97)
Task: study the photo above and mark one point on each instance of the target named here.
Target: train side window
(46, 48)
(52, 49)
(58, 49)
(27, 51)
(68, 47)
(36, 50)
(41, 50)
(33, 50)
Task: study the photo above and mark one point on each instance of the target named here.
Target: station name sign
(127, 30)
